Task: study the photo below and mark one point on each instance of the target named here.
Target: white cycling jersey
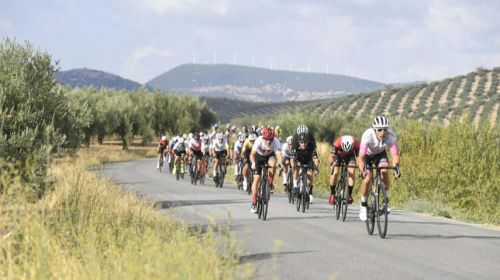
(205, 147)
(265, 150)
(195, 145)
(285, 150)
(370, 145)
(238, 146)
(218, 146)
(180, 147)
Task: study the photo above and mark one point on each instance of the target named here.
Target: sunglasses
(381, 129)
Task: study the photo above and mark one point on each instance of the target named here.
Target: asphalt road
(313, 245)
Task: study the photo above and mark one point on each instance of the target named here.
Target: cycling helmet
(181, 140)
(233, 128)
(252, 137)
(184, 136)
(228, 126)
(267, 133)
(190, 135)
(216, 126)
(289, 140)
(302, 129)
(202, 134)
(241, 138)
(278, 130)
(164, 138)
(219, 136)
(380, 122)
(347, 142)
(205, 137)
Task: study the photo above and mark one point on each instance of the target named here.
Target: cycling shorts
(348, 159)
(379, 160)
(261, 160)
(220, 154)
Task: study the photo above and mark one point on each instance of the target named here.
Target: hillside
(257, 84)
(87, 77)
(478, 92)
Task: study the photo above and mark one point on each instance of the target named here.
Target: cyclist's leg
(295, 170)
(351, 173)
(271, 161)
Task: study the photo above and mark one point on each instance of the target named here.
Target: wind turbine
(194, 57)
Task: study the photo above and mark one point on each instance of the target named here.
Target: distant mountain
(88, 77)
(257, 84)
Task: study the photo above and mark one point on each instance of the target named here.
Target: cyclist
(285, 161)
(277, 129)
(265, 149)
(303, 151)
(205, 149)
(372, 149)
(195, 150)
(220, 153)
(245, 152)
(179, 150)
(162, 149)
(345, 148)
(238, 146)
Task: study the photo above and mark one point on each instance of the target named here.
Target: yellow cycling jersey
(247, 146)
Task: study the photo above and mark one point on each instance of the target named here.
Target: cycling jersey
(247, 146)
(180, 148)
(339, 152)
(263, 149)
(285, 150)
(205, 147)
(298, 153)
(238, 146)
(218, 146)
(195, 145)
(370, 145)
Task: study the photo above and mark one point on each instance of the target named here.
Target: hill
(87, 77)
(478, 92)
(257, 84)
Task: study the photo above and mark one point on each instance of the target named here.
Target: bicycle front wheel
(337, 200)
(265, 200)
(382, 214)
(370, 213)
(344, 201)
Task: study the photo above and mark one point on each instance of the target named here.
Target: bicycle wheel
(381, 213)
(291, 198)
(370, 213)
(250, 182)
(195, 172)
(299, 196)
(344, 199)
(222, 174)
(265, 200)
(178, 171)
(337, 199)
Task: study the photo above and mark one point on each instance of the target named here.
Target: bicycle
(194, 171)
(160, 163)
(249, 181)
(178, 172)
(170, 161)
(263, 194)
(342, 192)
(221, 173)
(203, 170)
(239, 170)
(378, 203)
(303, 194)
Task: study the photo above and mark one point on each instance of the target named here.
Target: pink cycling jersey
(370, 145)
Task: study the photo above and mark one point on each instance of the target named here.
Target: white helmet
(181, 140)
(289, 140)
(241, 138)
(347, 143)
(380, 122)
(205, 137)
(252, 137)
(219, 136)
(190, 135)
(163, 138)
(302, 129)
(184, 136)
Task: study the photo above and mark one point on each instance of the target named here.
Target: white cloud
(146, 61)
(163, 7)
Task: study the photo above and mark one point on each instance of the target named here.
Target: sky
(389, 41)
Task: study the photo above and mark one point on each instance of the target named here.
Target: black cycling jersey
(310, 151)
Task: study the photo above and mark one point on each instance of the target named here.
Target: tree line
(40, 118)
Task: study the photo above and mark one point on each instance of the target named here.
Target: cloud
(163, 7)
(145, 62)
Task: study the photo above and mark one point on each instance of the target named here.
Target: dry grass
(88, 228)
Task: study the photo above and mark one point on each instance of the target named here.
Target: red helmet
(267, 133)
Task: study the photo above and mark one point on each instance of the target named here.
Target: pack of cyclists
(257, 147)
